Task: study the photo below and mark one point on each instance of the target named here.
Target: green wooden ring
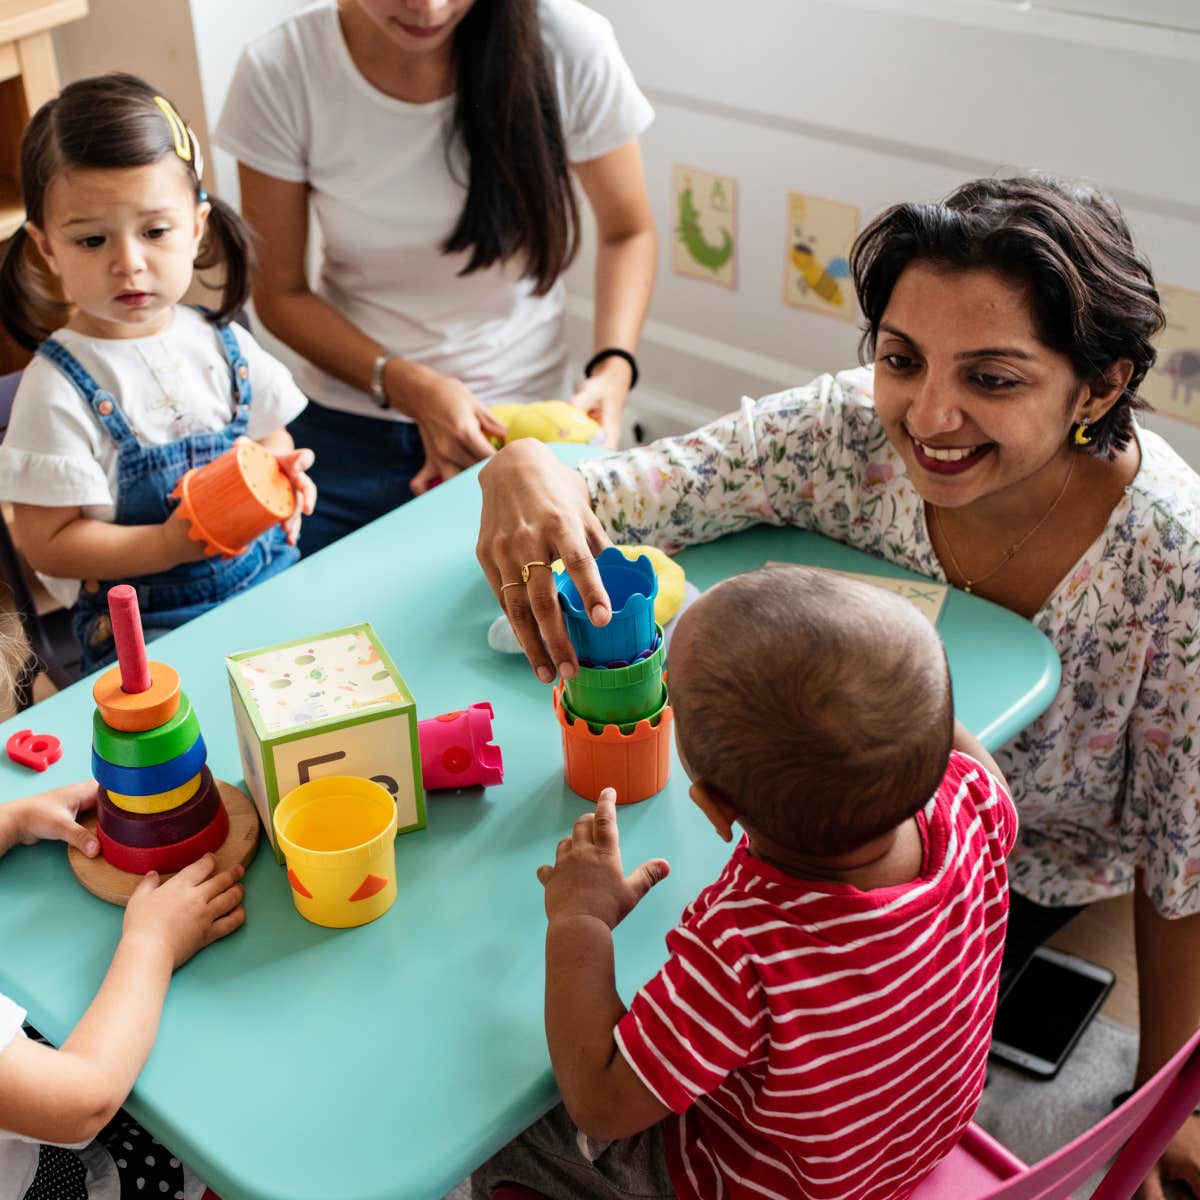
(149, 749)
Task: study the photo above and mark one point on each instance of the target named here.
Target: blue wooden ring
(149, 781)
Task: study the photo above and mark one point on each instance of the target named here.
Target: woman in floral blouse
(991, 445)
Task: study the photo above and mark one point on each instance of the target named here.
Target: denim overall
(146, 475)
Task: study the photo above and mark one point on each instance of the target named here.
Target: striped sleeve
(992, 802)
(694, 1022)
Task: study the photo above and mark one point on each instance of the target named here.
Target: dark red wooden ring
(146, 830)
(166, 859)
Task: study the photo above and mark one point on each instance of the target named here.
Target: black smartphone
(1046, 1009)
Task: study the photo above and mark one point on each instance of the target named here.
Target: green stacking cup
(625, 727)
(618, 695)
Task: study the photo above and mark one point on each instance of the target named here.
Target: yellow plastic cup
(338, 835)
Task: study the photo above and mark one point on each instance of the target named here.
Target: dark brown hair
(819, 707)
(520, 201)
(1091, 292)
(106, 122)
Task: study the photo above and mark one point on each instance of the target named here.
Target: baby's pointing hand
(587, 878)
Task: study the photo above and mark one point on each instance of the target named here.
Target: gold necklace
(1011, 552)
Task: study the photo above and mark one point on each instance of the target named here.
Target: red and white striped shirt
(817, 1041)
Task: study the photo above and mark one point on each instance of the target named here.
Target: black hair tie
(612, 352)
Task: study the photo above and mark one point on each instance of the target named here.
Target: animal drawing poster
(925, 595)
(1173, 383)
(704, 242)
(817, 271)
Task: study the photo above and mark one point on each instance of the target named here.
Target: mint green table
(302, 1063)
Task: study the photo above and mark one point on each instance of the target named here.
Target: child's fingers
(604, 820)
(81, 796)
(581, 831)
(221, 882)
(643, 878)
(564, 845)
(543, 873)
(74, 834)
(148, 884)
(196, 873)
(226, 925)
(224, 903)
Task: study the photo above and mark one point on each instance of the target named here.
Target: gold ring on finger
(505, 586)
(526, 567)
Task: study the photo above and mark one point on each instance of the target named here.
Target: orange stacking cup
(235, 498)
(637, 763)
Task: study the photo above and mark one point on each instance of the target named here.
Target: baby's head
(816, 707)
(111, 177)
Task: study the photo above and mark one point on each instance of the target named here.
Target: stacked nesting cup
(615, 714)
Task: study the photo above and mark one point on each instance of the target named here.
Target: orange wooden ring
(136, 712)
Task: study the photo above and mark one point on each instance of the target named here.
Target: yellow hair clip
(179, 131)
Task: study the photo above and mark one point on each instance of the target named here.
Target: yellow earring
(1081, 438)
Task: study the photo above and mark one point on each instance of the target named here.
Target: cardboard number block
(333, 704)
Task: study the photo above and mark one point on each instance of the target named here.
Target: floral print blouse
(1107, 780)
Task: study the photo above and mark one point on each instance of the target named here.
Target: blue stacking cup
(631, 587)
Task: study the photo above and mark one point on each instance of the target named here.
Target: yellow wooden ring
(137, 712)
(161, 801)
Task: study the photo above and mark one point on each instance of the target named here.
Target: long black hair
(1091, 291)
(520, 201)
(109, 121)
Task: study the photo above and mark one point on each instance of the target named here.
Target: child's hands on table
(587, 879)
(189, 911)
(51, 816)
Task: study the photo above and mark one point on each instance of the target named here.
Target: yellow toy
(547, 421)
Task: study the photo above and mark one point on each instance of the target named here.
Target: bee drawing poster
(817, 271)
(704, 219)
(1173, 384)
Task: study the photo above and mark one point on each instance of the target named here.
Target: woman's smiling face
(974, 402)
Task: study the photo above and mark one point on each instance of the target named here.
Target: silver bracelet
(378, 394)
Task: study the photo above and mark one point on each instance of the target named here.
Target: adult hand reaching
(536, 509)
(454, 425)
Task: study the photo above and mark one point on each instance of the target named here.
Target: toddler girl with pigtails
(129, 388)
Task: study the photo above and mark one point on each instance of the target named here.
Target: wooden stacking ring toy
(152, 747)
(137, 712)
(173, 824)
(151, 781)
(172, 857)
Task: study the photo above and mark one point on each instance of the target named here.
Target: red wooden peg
(127, 633)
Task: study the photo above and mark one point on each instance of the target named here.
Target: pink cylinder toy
(457, 749)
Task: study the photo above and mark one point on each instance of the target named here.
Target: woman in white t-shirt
(436, 141)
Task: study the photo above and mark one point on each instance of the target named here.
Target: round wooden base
(102, 879)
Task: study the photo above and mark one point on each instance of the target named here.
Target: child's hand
(50, 816)
(178, 545)
(189, 911)
(587, 878)
(294, 464)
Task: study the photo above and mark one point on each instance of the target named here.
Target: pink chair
(980, 1168)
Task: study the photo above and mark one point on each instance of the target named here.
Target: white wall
(872, 102)
(866, 101)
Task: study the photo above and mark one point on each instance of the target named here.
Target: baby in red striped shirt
(821, 1025)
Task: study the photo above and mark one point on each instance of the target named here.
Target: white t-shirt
(385, 199)
(169, 386)
(18, 1155)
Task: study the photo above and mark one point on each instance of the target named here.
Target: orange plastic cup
(235, 498)
(636, 764)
